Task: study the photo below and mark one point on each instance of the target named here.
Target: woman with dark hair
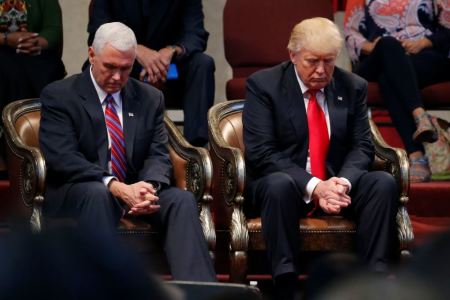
(404, 46)
(30, 47)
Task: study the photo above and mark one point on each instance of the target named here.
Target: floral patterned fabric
(13, 15)
(365, 20)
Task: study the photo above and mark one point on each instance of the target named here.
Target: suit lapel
(295, 104)
(94, 109)
(337, 110)
(131, 114)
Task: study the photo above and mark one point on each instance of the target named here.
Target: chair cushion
(249, 39)
(434, 96)
(326, 233)
(235, 88)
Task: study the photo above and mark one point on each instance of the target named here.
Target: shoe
(426, 132)
(419, 170)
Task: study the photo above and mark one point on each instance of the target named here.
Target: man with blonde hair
(308, 150)
(105, 147)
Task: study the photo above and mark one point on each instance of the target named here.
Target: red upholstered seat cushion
(434, 96)
(425, 228)
(236, 88)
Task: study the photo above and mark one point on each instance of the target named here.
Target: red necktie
(318, 137)
(118, 160)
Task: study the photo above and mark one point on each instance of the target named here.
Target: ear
(293, 56)
(91, 55)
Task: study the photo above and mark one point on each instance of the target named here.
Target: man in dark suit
(308, 149)
(168, 31)
(105, 147)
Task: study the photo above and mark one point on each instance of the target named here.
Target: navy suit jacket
(168, 22)
(73, 135)
(276, 127)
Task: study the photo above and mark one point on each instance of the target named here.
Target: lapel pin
(339, 98)
(130, 114)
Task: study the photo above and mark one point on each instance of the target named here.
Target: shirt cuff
(348, 184)
(107, 179)
(312, 183)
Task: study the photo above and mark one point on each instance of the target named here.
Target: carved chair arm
(26, 166)
(229, 180)
(395, 161)
(195, 175)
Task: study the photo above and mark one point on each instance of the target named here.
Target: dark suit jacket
(276, 126)
(73, 135)
(168, 22)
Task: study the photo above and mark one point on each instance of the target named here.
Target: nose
(116, 75)
(320, 67)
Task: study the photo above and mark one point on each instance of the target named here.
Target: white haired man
(308, 150)
(105, 146)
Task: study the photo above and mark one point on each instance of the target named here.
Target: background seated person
(105, 146)
(30, 48)
(404, 46)
(168, 32)
(307, 151)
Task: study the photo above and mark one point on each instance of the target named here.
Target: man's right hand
(140, 197)
(153, 64)
(332, 195)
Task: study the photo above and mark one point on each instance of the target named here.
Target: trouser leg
(374, 203)
(184, 242)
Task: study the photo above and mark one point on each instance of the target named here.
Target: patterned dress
(365, 20)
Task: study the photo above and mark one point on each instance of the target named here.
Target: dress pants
(400, 77)
(280, 203)
(24, 76)
(197, 86)
(93, 206)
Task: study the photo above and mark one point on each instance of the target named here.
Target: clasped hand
(25, 42)
(155, 64)
(332, 195)
(140, 197)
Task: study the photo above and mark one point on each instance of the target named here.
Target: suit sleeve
(194, 36)
(157, 166)
(58, 142)
(261, 151)
(360, 156)
(52, 28)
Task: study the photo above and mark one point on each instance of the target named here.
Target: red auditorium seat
(256, 33)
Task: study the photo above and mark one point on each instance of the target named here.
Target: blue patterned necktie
(118, 159)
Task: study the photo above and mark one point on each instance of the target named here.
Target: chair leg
(238, 266)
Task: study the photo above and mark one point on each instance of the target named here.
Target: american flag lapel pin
(130, 114)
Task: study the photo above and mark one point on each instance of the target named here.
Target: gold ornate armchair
(318, 234)
(192, 170)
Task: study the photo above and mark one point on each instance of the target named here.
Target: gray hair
(117, 34)
(316, 34)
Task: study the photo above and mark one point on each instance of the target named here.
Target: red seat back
(256, 34)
